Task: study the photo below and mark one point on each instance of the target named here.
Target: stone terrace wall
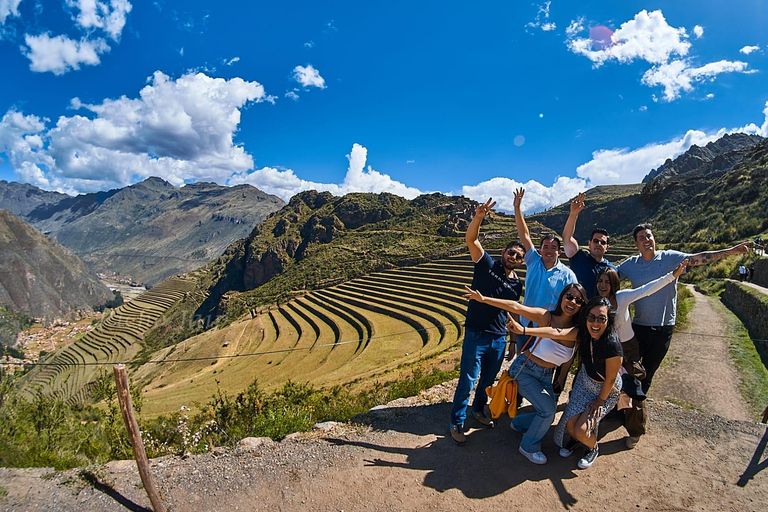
(751, 306)
(761, 272)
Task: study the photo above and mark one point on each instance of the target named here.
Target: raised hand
(578, 204)
(483, 209)
(519, 193)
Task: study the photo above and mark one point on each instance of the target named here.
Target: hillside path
(698, 371)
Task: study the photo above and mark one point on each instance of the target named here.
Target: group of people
(566, 312)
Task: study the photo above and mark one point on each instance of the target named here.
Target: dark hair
(549, 236)
(600, 231)
(613, 279)
(596, 301)
(515, 243)
(641, 227)
(559, 308)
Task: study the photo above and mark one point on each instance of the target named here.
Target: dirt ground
(399, 458)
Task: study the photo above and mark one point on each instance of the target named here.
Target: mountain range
(148, 231)
(41, 278)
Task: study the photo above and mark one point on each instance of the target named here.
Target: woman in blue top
(534, 367)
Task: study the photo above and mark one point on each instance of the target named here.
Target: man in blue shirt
(585, 264)
(485, 336)
(656, 314)
(546, 276)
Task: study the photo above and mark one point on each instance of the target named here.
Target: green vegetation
(685, 303)
(49, 432)
(11, 323)
(753, 375)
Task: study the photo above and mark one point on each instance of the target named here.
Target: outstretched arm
(473, 231)
(628, 296)
(704, 258)
(538, 315)
(570, 244)
(566, 334)
(522, 227)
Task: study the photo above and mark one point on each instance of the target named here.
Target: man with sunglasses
(485, 332)
(655, 315)
(586, 264)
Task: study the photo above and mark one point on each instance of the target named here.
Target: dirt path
(698, 371)
(399, 458)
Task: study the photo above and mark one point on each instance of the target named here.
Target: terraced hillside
(69, 373)
(357, 330)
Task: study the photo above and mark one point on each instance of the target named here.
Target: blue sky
(406, 96)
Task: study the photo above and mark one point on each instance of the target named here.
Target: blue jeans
(534, 383)
(481, 355)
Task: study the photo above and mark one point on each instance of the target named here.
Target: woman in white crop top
(534, 367)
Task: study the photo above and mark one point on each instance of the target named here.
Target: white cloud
(643, 108)
(575, 27)
(537, 196)
(110, 17)
(22, 142)
(646, 37)
(308, 76)
(309, 44)
(542, 15)
(285, 183)
(746, 50)
(231, 61)
(8, 8)
(678, 76)
(698, 31)
(292, 95)
(60, 54)
(178, 130)
(709, 96)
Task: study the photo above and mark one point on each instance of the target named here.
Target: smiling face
(645, 243)
(597, 321)
(512, 257)
(598, 246)
(549, 250)
(572, 301)
(604, 286)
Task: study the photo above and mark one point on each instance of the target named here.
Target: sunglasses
(599, 241)
(574, 298)
(516, 255)
(596, 319)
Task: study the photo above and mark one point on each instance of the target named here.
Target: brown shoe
(631, 442)
(482, 419)
(457, 434)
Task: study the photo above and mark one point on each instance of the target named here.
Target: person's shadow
(487, 465)
(755, 466)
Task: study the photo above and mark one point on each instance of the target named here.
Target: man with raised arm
(655, 315)
(586, 264)
(545, 275)
(485, 332)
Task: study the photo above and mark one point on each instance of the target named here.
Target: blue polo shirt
(491, 280)
(660, 308)
(542, 286)
(586, 269)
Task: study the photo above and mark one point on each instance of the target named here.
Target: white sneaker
(536, 457)
(567, 450)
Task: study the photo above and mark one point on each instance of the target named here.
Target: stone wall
(751, 306)
(761, 272)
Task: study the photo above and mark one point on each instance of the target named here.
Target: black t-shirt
(490, 279)
(595, 352)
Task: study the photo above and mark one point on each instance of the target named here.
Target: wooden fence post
(126, 407)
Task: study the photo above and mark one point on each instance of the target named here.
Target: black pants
(653, 343)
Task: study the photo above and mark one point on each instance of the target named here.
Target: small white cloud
(542, 15)
(575, 27)
(8, 8)
(181, 51)
(309, 44)
(698, 31)
(548, 27)
(330, 27)
(678, 76)
(308, 76)
(709, 96)
(231, 61)
(410, 161)
(60, 54)
(285, 183)
(746, 50)
(109, 17)
(292, 95)
(643, 108)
